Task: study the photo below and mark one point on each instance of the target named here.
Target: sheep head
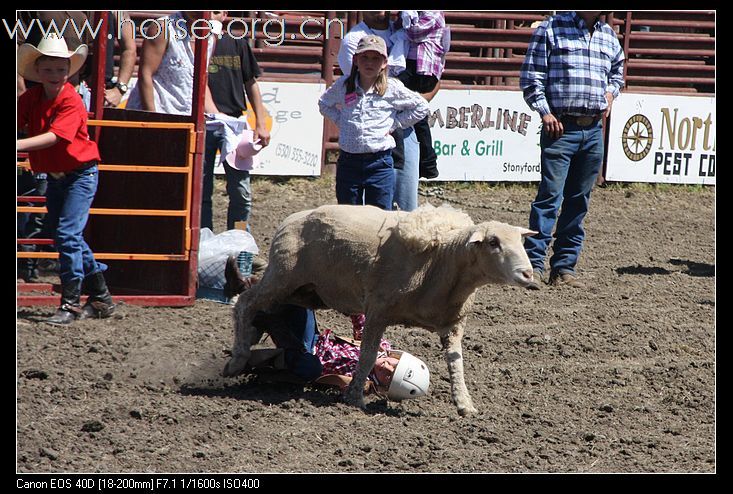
(499, 253)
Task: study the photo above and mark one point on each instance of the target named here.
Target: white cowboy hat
(51, 46)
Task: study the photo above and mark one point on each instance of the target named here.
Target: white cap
(411, 378)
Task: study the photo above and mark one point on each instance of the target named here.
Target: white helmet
(411, 377)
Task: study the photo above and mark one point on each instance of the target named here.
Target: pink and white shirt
(341, 357)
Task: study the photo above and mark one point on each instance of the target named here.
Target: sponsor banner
(655, 138)
(295, 125)
(485, 136)
(296, 129)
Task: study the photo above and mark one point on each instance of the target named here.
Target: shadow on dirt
(693, 269)
(267, 392)
(639, 269)
(33, 317)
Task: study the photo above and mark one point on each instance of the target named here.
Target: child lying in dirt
(304, 353)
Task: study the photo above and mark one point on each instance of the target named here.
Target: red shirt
(66, 117)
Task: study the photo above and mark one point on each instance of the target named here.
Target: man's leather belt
(584, 121)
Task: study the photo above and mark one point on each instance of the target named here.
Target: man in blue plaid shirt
(572, 73)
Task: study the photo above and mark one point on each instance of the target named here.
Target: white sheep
(417, 269)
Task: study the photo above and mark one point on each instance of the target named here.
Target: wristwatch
(122, 87)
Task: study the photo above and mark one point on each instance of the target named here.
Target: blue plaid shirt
(568, 71)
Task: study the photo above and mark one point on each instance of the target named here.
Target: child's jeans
(365, 178)
(422, 84)
(68, 199)
(294, 329)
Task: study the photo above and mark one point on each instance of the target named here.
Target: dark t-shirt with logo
(231, 65)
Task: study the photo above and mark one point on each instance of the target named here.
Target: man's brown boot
(565, 279)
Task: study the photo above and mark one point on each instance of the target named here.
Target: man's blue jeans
(406, 179)
(569, 166)
(238, 186)
(68, 200)
(365, 179)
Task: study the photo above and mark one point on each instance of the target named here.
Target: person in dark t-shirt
(232, 74)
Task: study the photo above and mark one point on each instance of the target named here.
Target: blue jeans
(238, 186)
(406, 179)
(68, 200)
(301, 324)
(569, 168)
(365, 179)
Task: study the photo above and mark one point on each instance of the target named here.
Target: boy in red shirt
(59, 144)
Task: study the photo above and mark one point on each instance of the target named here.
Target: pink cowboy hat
(243, 158)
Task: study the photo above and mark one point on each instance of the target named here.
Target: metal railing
(670, 52)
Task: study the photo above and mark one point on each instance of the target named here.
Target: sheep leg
(245, 310)
(354, 394)
(451, 343)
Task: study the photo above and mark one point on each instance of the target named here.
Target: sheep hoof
(466, 411)
(355, 399)
(235, 366)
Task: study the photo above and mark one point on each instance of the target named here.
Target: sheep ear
(476, 237)
(526, 233)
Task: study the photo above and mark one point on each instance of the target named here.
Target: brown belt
(85, 166)
(584, 121)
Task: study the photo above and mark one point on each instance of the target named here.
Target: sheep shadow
(261, 389)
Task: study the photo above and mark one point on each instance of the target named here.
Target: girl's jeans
(366, 178)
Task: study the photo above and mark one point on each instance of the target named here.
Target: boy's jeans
(407, 179)
(68, 200)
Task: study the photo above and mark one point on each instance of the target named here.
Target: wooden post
(627, 41)
(200, 79)
(329, 46)
(99, 64)
(327, 62)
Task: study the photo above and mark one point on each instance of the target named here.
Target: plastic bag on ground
(214, 251)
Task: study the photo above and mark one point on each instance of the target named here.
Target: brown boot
(99, 304)
(268, 357)
(70, 309)
(565, 279)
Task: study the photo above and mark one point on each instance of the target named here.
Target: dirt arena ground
(619, 377)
